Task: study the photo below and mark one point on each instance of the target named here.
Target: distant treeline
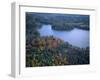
(58, 21)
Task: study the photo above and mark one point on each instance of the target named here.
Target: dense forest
(51, 51)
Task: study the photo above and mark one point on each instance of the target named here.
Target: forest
(51, 51)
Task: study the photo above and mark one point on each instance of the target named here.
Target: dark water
(76, 37)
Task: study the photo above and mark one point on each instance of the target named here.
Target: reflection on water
(76, 37)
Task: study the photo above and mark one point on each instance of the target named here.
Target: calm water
(76, 37)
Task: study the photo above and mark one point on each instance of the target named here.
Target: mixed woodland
(51, 51)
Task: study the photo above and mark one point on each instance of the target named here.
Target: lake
(76, 37)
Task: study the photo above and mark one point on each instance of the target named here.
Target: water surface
(76, 37)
